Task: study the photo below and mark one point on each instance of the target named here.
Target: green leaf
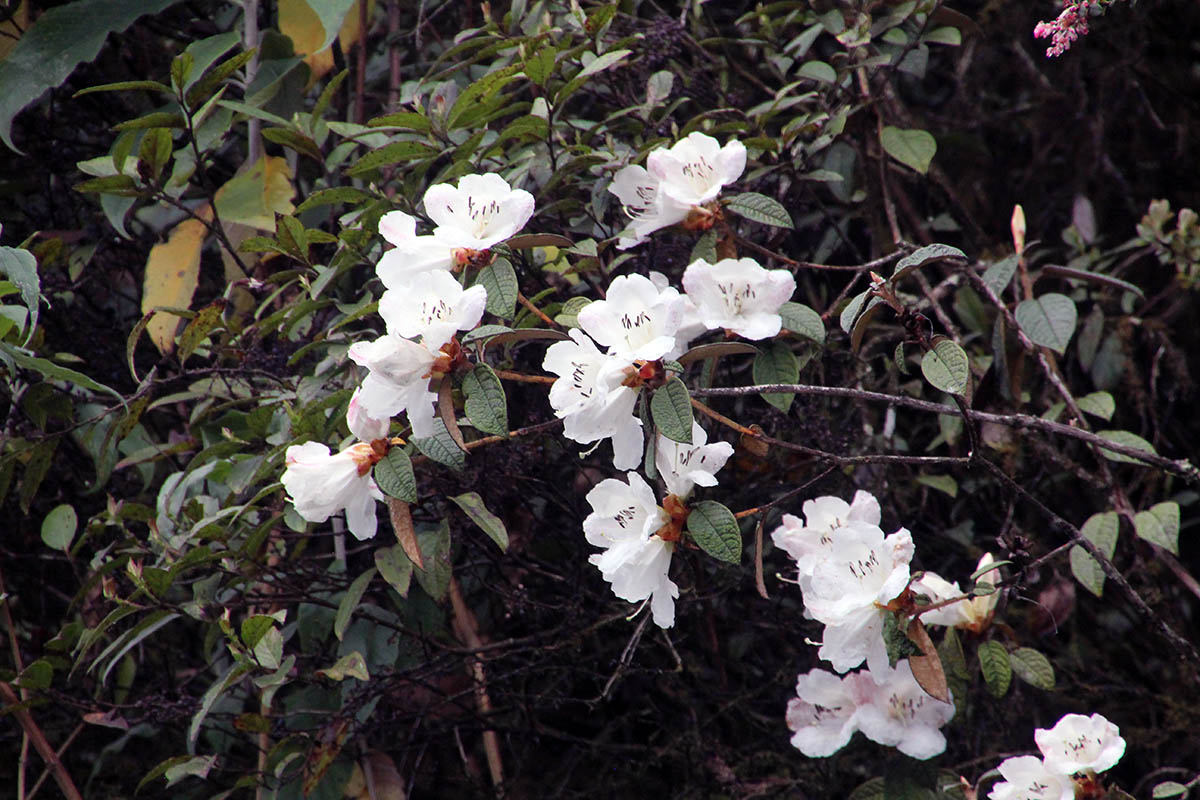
(913, 148)
(1099, 404)
(609, 59)
(947, 34)
(204, 88)
(869, 790)
(199, 327)
(540, 65)
(800, 319)
(254, 628)
(351, 665)
(1101, 530)
(395, 567)
(760, 208)
(943, 483)
(394, 153)
(817, 71)
(1048, 320)
(705, 248)
(441, 447)
(53, 371)
(776, 363)
(1000, 274)
(435, 552)
(125, 86)
(486, 332)
(295, 140)
(331, 13)
(714, 528)
(895, 639)
(500, 280)
(486, 405)
(1159, 525)
(481, 91)
(61, 38)
(671, 410)
(925, 255)
(21, 268)
(194, 767)
(231, 676)
(59, 526)
(123, 185)
(946, 366)
(1124, 438)
(350, 602)
(36, 676)
(473, 506)
(410, 120)
(1032, 667)
(997, 671)
(1169, 789)
(155, 119)
(339, 195)
(394, 475)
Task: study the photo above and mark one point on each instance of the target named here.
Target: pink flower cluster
(1070, 24)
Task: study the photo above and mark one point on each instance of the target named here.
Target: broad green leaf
(484, 332)
(59, 526)
(947, 34)
(913, 148)
(486, 406)
(1168, 789)
(441, 447)
(199, 327)
(1048, 320)
(350, 602)
(395, 567)
(1126, 439)
(540, 65)
(705, 248)
(714, 528)
(1000, 274)
(925, 255)
(36, 676)
(351, 665)
(21, 268)
(1159, 525)
(946, 366)
(194, 767)
(500, 280)
(943, 483)
(435, 552)
(997, 671)
(759, 208)
(1032, 667)
(480, 91)
(253, 629)
(1101, 530)
(817, 71)
(671, 410)
(294, 139)
(394, 475)
(1100, 404)
(854, 310)
(776, 363)
(268, 651)
(473, 506)
(609, 59)
(800, 319)
(61, 38)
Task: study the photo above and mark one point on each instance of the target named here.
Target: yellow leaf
(254, 197)
(172, 272)
(385, 782)
(301, 24)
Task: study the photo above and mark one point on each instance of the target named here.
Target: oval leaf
(714, 528)
(441, 447)
(925, 255)
(350, 602)
(997, 671)
(716, 350)
(473, 506)
(946, 366)
(395, 567)
(914, 148)
(776, 363)
(671, 409)
(1048, 320)
(760, 208)
(1159, 525)
(59, 526)
(500, 280)
(1101, 530)
(394, 476)
(800, 319)
(1032, 667)
(1126, 439)
(486, 406)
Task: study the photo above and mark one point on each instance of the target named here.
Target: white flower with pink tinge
(624, 520)
(398, 380)
(591, 398)
(970, 613)
(739, 295)
(320, 485)
(684, 466)
(1027, 778)
(1080, 744)
(676, 183)
(481, 212)
(809, 540)
(637, 319)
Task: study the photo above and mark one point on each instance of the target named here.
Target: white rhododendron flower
(898, 712)
(591, 399)
(808, 541)
(624, 520)
(481, 212)
(1027, 778)
(677, 183)
(823, 715)
(649, 210)
(365, 427)
(432, 306)
(695, 169)
(320, 485)
(1078, 744)
(636, 320)
(863, 572)
(684, 466)
(972, 613)
(398, 381)
(739, 295)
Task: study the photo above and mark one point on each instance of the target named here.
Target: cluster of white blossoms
(677, 185)
(851, 575)
(423, 307)
(1073, 751)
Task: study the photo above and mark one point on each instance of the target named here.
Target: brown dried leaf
(927, 668)
(406, 534)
